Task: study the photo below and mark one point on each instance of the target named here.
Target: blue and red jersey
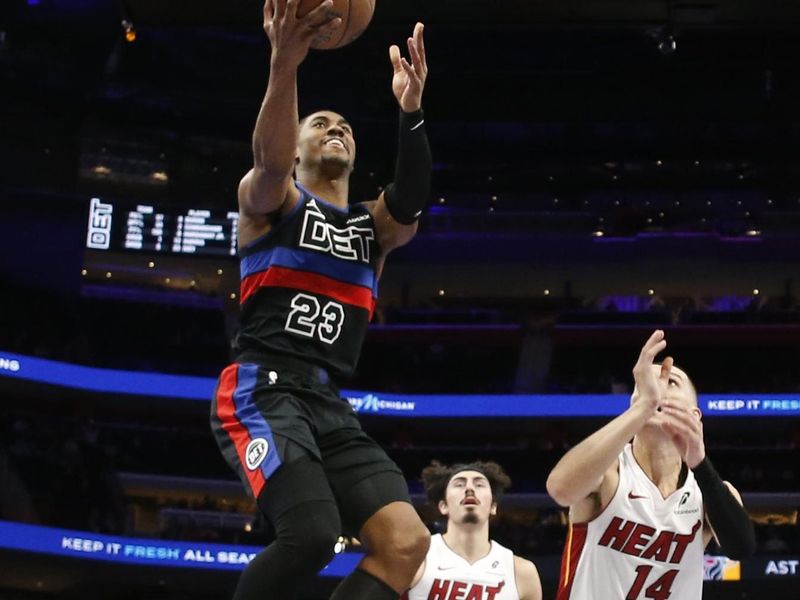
(309, 286)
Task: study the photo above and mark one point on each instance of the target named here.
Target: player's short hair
(313, 112)
(436, 477)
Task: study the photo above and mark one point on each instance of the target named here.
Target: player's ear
(493, 512)
(443, 508)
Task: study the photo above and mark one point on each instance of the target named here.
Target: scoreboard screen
(149, 228)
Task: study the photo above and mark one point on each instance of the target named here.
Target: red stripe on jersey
(305, 281)
(226, 413)
(570, 557)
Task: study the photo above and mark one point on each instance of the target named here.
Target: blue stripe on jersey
(252, 419)
(310, 196)
(301, 260)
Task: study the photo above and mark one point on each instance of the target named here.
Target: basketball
(355, 15)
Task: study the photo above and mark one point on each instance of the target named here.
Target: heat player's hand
(651, 383)
(686, 429)
(290, 35)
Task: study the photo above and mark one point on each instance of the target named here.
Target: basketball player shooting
(310, 264)
(463, 562)
(642, 512)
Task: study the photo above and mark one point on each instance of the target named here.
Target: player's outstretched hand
(290, 35)
(686, 429)
(408, 80)
(651, 383)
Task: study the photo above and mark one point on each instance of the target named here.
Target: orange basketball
(355, 15)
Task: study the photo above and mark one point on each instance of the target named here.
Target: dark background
(591, 183)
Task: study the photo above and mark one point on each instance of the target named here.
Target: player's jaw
(335, 151)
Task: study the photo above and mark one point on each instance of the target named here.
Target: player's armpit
(262, 193)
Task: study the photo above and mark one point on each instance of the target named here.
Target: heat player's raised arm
(590, 468)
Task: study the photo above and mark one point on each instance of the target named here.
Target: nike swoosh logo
(633, 496)
(446, 568)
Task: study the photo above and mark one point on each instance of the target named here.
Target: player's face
(326, 138)
(680, 390)
(468, 499)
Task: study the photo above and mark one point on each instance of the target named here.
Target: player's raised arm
(582, 470)
(266, 186)
(400, 205)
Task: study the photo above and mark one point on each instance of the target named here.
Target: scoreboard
(129, 226)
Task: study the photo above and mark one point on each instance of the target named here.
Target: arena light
(667, 44)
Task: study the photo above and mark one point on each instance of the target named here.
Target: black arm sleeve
(408, 194)
(731, 523)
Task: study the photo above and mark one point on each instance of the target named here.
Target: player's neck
(334, 190)
(659, 458)
(471, 542)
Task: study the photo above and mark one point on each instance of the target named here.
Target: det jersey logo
(256, 453)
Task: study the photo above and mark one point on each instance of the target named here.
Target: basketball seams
(355, 19)
(345, 23)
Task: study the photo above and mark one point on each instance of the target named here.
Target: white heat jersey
(449, 576)
(642, 546)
